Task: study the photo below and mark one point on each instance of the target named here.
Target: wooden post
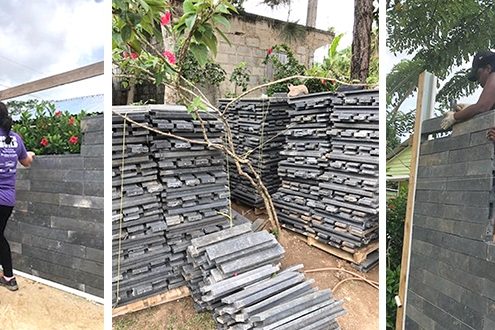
(68, 77)
(424, 103)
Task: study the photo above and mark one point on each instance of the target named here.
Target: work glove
(448, 120)
(491, 134)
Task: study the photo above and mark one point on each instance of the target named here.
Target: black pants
(5, 254)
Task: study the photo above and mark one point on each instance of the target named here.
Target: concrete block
(81, 201)
(471, 183)
(479, 152)
(416, 319)
(93, 163)
(481, 122)
(22, 184)
(92, 124)
(460, 311)
(92, 150)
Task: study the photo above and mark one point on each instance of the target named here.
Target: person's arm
(485, 102)
(28, 160)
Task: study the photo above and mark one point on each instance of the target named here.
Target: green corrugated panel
(398, 166)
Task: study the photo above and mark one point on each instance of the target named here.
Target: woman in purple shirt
(12, 150)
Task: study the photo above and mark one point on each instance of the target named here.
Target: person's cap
(480, 59)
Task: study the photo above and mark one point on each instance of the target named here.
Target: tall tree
(361, 39)
(438, 36)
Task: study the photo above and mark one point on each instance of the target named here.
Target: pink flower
(166, 18)
(269, 51)
(58, 113)
(169, 56)
(72, 120)
(44, 141)
(125, 55)
(73, 139)
(134, 55)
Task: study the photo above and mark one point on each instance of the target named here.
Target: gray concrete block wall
(452, 271)
(56, 230)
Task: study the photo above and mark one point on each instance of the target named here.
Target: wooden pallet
(152, 301)
(357, 257)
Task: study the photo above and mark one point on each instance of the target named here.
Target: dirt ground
(37, 306)
(360, 299)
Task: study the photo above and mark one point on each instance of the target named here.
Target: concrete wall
(56, 231)
(250, 37)
(452, 273)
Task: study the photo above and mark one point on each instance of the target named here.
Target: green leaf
(335, 43)
(222, 8)
(219, 19)
(190, 20)
(211, 41)
(126, 33)
(224, 37)
(144, 5)
(200, 52)
(188, 7)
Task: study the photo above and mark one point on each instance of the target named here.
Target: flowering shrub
(49, 131)
(282, 69)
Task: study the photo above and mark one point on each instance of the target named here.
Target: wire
(20, 64)
(121, 210)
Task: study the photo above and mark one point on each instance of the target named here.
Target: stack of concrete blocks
(166, 192)
(330, 174)
(349, 185)
(236, 275)
(56, 230)
(257, 129)
(451, 282)
(140, 252)
(195, 195)
(306, 148)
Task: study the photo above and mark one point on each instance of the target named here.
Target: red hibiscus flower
(73, 139)
(58, 113)
(323, 81)
(44, 141)
(134, 55)
(269, 51)
(169, 56)
(72, 120)
(166, 18)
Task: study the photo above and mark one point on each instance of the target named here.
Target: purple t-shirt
(9, 155)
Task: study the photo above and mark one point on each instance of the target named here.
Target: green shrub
(292, 67)
(396, 213)
(49, 131)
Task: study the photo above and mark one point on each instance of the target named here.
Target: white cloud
(43, 38)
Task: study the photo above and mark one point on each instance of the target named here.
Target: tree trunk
(312, 9)
(170, 95)
(361, 39)
(131, 92)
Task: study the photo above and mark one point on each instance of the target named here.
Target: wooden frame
(68, 77)
(426, 85)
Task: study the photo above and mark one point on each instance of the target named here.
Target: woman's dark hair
(5, 122)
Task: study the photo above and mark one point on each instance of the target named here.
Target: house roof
(398, 162)
(399, 148)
